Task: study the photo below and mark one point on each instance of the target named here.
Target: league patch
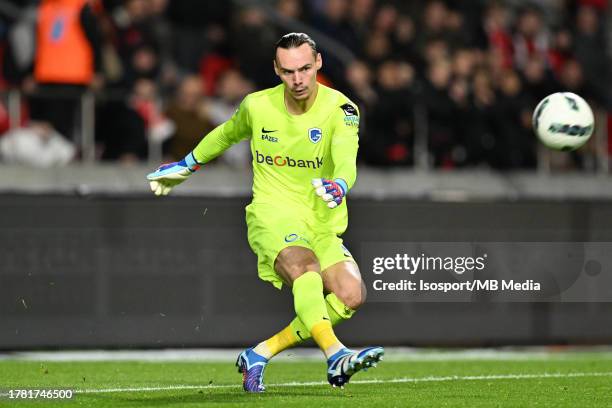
(349, 110)
(352, 121)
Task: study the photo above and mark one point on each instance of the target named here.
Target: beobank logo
(282, 161)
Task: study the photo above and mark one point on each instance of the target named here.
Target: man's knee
(292, 262)
(344, 280)
(352, 294)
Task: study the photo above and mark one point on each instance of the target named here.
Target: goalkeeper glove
(331, 191)
(169, 175)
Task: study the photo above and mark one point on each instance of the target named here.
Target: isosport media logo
(282, 161)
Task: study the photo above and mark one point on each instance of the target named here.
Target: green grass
(423, 385)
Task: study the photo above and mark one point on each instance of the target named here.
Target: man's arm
(225, 135)
(344, 147)
(212, 145)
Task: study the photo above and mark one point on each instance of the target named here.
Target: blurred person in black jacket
(440, 113)
(515, 145)
(198, 27)
(389, 134)
(590, 51)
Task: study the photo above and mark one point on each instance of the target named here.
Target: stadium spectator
(441, 113)
(289, 9)
(497, 30)
(560, 51)
(187, 113)
(589, 42)
(479, 43)
(515, 143)
(137, 43)
(403, 40)
(360, 88)
(538, 80)
(232, 88)
(332, 21)
(388, 136)
(198, 28)
(531, 39)
(67, 61)
(479, 125)
(38, 145)
(377, 49)
(122, 130)
(252, 46)
(147, 101)
(359, 14)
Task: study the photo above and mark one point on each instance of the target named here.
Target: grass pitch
(561, 379)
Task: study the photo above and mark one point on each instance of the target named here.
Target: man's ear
(276, 67)
(318, 61)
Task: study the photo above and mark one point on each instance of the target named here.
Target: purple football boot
(252, 367)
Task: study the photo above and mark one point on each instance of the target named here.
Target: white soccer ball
(563, 121)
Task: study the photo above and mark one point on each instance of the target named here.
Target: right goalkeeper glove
(169, 175)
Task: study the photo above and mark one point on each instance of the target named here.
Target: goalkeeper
(304, 139)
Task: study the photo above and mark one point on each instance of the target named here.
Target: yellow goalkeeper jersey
(291, 150)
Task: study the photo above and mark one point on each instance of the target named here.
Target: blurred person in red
(67, 61)
(532, 37)
(497, 30)
(147, 102)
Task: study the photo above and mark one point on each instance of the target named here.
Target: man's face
(297, 68)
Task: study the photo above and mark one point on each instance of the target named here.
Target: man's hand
(169, 175)
(331, 191)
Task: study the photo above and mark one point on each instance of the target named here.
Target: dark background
(138, 271)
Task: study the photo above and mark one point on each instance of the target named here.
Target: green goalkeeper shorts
(270, 231)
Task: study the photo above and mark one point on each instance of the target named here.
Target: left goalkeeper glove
(331, 191)
(169, 175)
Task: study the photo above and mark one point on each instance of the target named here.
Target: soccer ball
(563, 121)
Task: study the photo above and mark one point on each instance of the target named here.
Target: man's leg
(299, 268)
(345, 294)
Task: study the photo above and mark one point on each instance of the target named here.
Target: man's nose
(297, 78)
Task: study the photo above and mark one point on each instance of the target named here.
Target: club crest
(315, 134)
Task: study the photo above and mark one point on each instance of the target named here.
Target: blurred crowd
(462, 77)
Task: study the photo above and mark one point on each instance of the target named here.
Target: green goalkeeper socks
(308, 299)
(310, 308)
(337, 311)
(297, 332)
